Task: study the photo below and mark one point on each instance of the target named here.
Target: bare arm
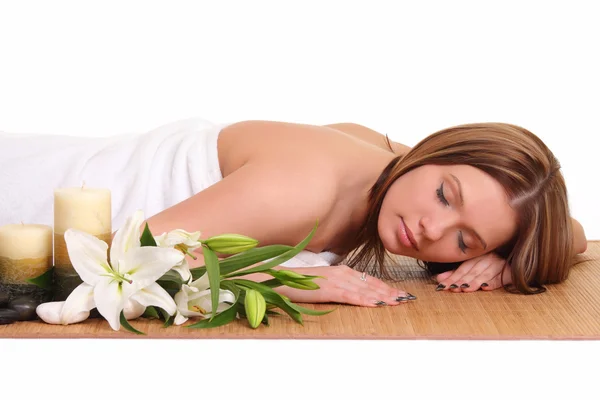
(258, 200)
(263, 202)
(579, 239)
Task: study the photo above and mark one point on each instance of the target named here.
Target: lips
(409, 235)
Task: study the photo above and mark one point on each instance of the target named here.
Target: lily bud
(230, 243)
(255, 306)
(290, 274)
(306, 284)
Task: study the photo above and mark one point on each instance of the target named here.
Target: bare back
(278, 180)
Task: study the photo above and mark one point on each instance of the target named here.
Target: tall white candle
(85, 209)
(25, 252)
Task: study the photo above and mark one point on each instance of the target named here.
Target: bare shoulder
(371, 136)
(246, 141)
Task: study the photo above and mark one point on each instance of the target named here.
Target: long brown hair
(541, 251)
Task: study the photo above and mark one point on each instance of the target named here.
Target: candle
(25, 252)
(85, 209)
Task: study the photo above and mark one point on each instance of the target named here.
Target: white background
(403, 68)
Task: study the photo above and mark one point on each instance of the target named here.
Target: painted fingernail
(411, 296)
(484, 285)
(401, 298)
(440, 287)
(464, 285)
(453, 286)
(380, 303)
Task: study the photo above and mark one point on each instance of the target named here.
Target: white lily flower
(133, 310)
(179, 238)
(194, 300)
(184, 270)
(185, 242)
(131, 273)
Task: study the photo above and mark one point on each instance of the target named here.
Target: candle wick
(82, 184)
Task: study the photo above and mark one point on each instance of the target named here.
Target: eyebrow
(462, 202)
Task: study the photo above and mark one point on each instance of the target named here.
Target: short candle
(25, 252)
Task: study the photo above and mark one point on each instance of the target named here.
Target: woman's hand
(344, 285)
(483, 272)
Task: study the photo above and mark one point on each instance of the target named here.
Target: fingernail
(453, 286)
(400, 298)
(464, 285)
(484, 285)
(411, 296)
(440, 287)
(380, 303)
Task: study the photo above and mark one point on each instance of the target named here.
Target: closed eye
(461, 243)
(440, 194)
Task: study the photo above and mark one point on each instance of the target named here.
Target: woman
(471, 197)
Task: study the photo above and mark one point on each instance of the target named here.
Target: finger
(340, 289)
(387, 293)
(468, 281)
(481, 272)
(390, 295)
(356, 298)
(449, 283)
(348, 293)
(497, 281)
(443, 276)
(490, 278)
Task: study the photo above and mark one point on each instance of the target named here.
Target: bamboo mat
(570, 310)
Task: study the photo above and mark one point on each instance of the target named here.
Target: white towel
(309, 259)
(151, 171)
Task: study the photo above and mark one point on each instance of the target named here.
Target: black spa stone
(8, 316)
(4, 298)
(25, 306)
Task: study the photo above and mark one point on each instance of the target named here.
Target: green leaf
(245, 259)
(147, 239)
(307, 311)
(172, 276)
(272, 283)
(45, 280)
(214, 277)
(169, 321)
(241, 309)
(166, 317)
(279, 259)
(265, 320)
(222, 318)
(125, 324)
(171, 281)
(151, 313)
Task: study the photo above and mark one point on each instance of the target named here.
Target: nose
(434, 228)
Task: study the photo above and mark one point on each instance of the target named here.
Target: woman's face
(445, 213)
